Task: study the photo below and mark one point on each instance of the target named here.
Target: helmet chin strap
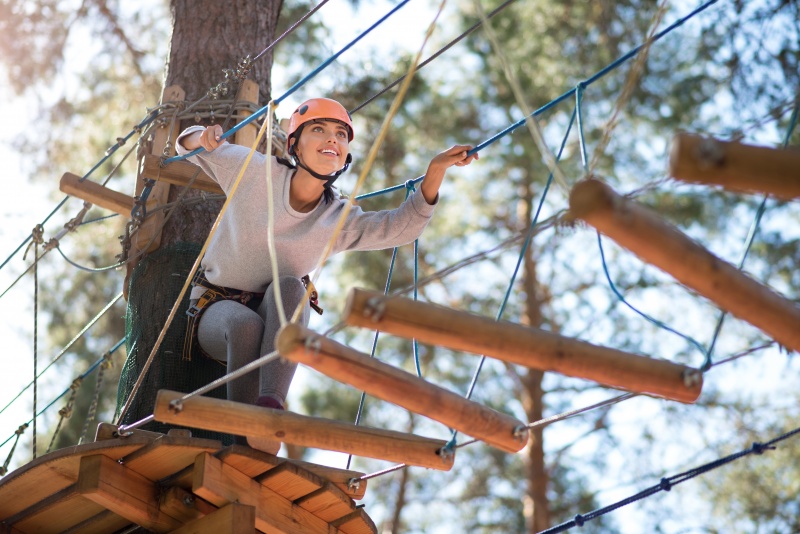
(328, 179)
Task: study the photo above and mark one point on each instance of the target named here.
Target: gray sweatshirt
(238, 256)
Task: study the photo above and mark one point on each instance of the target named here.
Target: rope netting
(155, 344)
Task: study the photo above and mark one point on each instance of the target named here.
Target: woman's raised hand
(208, 139)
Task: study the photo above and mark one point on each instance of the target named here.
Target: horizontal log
(315, 432)
(97, 194)
(657, 242)
(394, 385)
(523, 345)
(177, 173)
(736, 166)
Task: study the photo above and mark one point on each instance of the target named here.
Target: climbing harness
(214, 293)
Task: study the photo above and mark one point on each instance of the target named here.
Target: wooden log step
(242, 419)
(177, 173)
(394, 385)
(97, 194)
(523, 345)
(657, 242)
(736, 166)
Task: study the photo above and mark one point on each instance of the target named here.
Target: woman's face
(323, 146)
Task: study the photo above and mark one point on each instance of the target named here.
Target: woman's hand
(455, 155)
(208, 139)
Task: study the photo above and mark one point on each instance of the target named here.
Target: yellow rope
(188, 281)
(530, 121)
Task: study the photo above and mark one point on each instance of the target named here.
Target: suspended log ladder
(657, 242)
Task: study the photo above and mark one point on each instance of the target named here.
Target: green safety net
(155, 285)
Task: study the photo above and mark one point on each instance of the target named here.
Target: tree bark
(207, 38)
(536, 505)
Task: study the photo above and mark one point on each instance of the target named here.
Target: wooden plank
(523, 345)
(248, 92)
(168, 454)
(241, 419)
(341, 478)
(327, 503)
(299, 344)
(254, 463)
(736, 166)
(183, 505)
(97, 194)
(356, 522)
(151, 228)
(234, 518)
(55, 471)
(102, 523)
(55, 513)
(125, 492)
(221, 484)
(177, 173)
(657, 242)
(290, 481)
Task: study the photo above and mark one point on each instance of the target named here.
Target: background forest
(77, 75)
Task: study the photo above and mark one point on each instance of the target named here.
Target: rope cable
(67, 347)
(296, 86)
(749, 241)
(442, 50)
(667, 483)
(373, 153)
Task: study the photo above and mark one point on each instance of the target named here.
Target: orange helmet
(318, 109)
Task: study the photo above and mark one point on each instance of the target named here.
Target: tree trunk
(536, 506)
(207, 38)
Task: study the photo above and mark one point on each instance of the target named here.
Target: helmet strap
(328, 179)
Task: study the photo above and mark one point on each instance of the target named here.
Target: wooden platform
(179, 484)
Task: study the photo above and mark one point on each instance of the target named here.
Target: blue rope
(652, 320)
(296, 86)
(528, 238)
(582, 85)
(89, 371)
(585, 161)
(147, 120)
(386, 288)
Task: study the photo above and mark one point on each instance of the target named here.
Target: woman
(233, 308)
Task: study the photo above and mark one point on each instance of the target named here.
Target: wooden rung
(523, 345)
(247, 420)
(738, 167)
(97, 194)
(394, 385)
(177, 173)
(234, 518)
(657, 242)
(124, 492)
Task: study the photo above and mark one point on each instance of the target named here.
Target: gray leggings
(231, 332)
